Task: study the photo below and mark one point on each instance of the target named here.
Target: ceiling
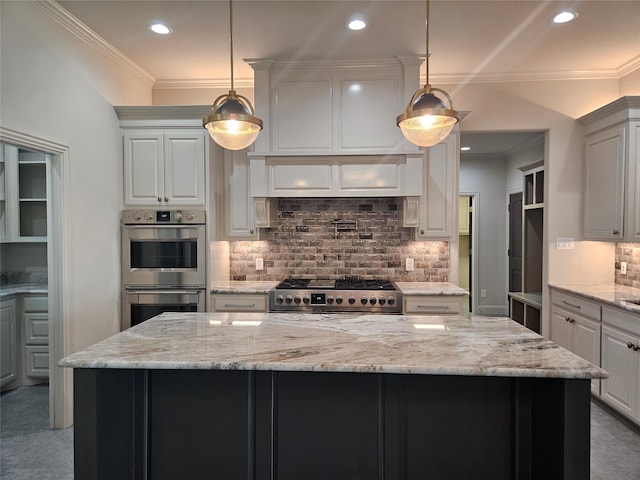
(470, 40)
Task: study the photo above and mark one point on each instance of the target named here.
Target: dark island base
(192, 424)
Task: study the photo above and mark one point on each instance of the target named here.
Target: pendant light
(427, 120)
(232, 123)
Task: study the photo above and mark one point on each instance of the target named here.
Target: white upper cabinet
(313, 108)
(434, 212)
(612, 172)
(164, 167)
(165, 151)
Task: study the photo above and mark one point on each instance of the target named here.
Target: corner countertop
(436, 345)
(20, 288)
(609, 293)
(237, 286)
(407, 288)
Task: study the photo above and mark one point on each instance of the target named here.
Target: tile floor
(30, 450)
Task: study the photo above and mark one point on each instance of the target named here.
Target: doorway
(466, 269)
(515, 242)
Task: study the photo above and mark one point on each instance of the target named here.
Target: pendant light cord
(427, 45)
(231, 38)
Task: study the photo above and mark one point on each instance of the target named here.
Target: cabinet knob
(636, 348)
(630, 345)
(166, 199)
(251, 231)
(159, 199)
(422, 232)
(616, 232)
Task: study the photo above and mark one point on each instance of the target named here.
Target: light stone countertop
(430, 288)
(236, 286)
(610, 293)
(20, 288)
(435, 345)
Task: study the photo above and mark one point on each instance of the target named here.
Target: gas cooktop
(348, 295)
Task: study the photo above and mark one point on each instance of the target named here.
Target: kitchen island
(329, 396)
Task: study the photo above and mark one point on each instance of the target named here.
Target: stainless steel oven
(139, 305)
(163, 263)
(163, 248)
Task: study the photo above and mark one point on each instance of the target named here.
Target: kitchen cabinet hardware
(434, 307)
(571, 304)
(422, 231)
(636, 348)
(629, 345)
(240, 305)
(616, 232)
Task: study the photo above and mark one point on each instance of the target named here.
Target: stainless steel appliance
(349, 295)
(163, 263)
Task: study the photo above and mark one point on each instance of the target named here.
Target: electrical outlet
(483, 293)
(259, 264)
(623, 268)
(409, 266)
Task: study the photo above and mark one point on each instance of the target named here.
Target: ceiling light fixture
(427, 121)
(356, 23)
(160, 29)
(565, 16)
(232, 123)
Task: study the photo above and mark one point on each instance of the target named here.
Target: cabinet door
(632, 207)
(237, 204)
(440, 196)
(561, 330)
(9, 342)
(184, 168)
(586, 344)
(143, 168)
(621, 388)
(605, 160)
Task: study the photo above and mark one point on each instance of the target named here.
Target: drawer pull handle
(238, 305)
(571, 304)
(435, 307)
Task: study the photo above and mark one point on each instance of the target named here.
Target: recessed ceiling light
(465, 149)
(565, 16)
(356, 23)
(160, 29)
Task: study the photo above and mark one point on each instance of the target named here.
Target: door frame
(475, 202)
(58, 268)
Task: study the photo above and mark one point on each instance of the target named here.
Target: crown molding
(74, 26)
(207, 83)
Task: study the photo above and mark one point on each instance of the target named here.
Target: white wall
(55, 88)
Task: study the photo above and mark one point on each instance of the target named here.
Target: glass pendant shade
(231, 123)
(426, 120)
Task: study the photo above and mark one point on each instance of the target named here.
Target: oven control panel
(335, 301)
(160, 217)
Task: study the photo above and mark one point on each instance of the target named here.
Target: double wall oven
(163, 263)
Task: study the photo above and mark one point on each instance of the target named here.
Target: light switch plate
(623, 268)
(409, 265)
(259, 264)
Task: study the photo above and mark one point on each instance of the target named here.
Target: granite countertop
(610, 293)
(236, 286)
(437, 345)
(430, 288)
(19, 288)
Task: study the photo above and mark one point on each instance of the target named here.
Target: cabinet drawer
(576, 304)
(36, 328)
(432, 305)
(37, 361)
(239, 303)
(621, 319)
(35, 304)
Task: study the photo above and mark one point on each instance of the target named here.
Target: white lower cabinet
(621, 358)
(575, 325)
(239, 302)
(432, 304)
(35, 328)
(9, 343)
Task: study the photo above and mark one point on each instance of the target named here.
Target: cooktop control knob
(297, 300)
(339, 300)
(330, 299)
(363, 300)
(137, 216)
(382, 301)
(178, 216)
(189, 216)
(306, 299)
(151, 217)
(289, 299)
(391, 300)
(280, 299)
(352, 300)
(373, 300)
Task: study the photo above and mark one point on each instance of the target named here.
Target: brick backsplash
(336, 238)
(630, 253)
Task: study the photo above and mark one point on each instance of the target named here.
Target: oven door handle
(163, 292)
